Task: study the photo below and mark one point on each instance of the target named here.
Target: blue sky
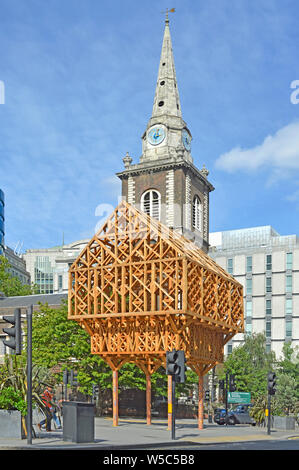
(80, 77)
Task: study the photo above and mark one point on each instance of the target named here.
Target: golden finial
(172, 10)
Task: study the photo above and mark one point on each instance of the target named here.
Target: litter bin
(78, 421)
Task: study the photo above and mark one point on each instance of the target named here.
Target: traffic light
(65, 376)
(172, 367)
(181, 361)
(175, 365)
(232, 384)
(73, 378)
(95, 391)
(221, 384)
(15, 333)
(207, 395)
(271, 383)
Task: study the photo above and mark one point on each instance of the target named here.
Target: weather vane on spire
(172, 10)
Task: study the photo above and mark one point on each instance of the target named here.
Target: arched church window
(197, 213)
(151, 203)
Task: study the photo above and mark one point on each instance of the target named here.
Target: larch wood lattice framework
(141, 289)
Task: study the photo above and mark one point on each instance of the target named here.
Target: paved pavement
(135, 433)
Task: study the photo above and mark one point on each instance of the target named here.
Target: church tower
(165, 183)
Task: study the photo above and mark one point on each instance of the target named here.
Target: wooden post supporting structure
(148, 400)
(115, 397)
(200, 402)
(169, 399)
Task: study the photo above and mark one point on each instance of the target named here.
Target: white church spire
(166, 135)
(166, 101)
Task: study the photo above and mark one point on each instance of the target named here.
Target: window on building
(229, 348)
(60, 282)
(248, 308)
(269, 262)
(289, 261)
(288, 328)
(248, 328)
(249, 264)
(268, 329)
(248, 286)
(151, 203)
(289, 284)
(43, 275)
(230, 265)
(268, 284)
(268, 307)
(268, 347)
(197, 213)
(289, 306)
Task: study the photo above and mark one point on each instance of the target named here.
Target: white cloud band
(278, 151)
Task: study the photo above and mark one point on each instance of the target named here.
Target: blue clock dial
(156, 135)
(186, 138)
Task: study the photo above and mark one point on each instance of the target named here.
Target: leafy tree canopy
(10, 285)
(57, 340)
(250, 363)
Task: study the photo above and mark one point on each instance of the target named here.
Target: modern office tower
(2, 232)
(17, 264)
(267, 265)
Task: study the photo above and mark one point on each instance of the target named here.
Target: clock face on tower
(156, 135)
(186, 138)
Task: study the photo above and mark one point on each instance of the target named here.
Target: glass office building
(1, 222)
(267, 265)
(49, 267)
(43, 275)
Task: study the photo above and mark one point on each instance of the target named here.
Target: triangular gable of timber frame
(128, 223)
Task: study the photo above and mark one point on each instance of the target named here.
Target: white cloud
(280, 152)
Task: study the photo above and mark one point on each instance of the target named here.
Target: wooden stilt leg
(115, 397)
(200, 402)
(170, 404)
(148, 400)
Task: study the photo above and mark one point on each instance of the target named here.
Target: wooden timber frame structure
(141, 289)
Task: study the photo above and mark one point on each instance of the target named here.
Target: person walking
(56, 416)
(47, 398)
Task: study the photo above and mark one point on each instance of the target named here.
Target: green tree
(250, 364)
(289, 364)
(13, 384)
(57, 340)
(11, 399)
(285, 399)
(10, 285)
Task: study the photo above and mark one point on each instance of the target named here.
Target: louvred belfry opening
(141, 289)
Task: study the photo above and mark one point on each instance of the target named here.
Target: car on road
(240, 415)
(219, 415)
